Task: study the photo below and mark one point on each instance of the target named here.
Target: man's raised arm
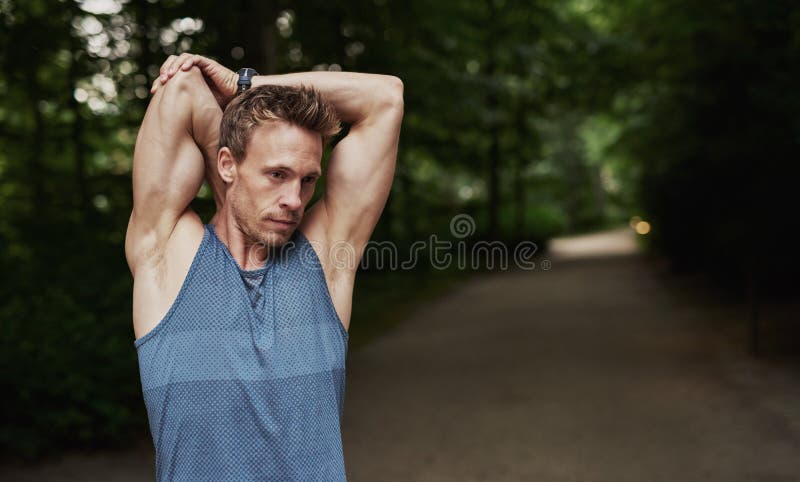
(168, 163)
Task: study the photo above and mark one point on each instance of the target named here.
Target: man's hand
(221, 80)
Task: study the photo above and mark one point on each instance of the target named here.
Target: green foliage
(713, 122)
(66, 351)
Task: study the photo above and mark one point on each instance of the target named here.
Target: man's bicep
(359, 178)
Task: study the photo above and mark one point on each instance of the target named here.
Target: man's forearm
(206, 118)
(355, 96)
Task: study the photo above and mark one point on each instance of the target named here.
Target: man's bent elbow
(394, 92)
(391, 95)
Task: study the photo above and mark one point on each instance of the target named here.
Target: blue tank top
(244, 377)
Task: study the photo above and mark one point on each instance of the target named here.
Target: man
(241, 323)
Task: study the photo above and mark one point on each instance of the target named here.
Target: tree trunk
(259, 34)
(36, 168)
(492, 104)
(79, 151)
(518, 183)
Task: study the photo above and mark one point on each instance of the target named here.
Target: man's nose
(290, 198)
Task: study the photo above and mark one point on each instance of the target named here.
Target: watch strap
(245, 79)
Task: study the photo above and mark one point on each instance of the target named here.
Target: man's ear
(226, 165)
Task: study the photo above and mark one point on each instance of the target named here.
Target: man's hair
(301, 106)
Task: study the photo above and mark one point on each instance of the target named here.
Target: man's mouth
(285, 222)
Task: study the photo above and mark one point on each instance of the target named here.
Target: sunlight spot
(168, 36)
(81, 95)
(96, 104)
(89, 25)
(354, 49)
(185, 44)
(347, 30)
(466, 193)
(187, 25)
(122, 48)
(101, 202)
(105, 85)
(101, 7)
(295, 54)
(284, 23)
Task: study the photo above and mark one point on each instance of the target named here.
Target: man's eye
(276, 174)
(309, 180)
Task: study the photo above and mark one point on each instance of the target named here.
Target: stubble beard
(249, 226)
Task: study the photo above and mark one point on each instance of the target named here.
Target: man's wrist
(261, 79)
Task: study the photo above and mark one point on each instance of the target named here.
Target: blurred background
(647, 147)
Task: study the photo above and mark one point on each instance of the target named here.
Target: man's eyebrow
(316, 172)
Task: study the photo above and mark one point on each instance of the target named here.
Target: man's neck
(248, 254)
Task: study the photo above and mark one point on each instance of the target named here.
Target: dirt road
(595, 370)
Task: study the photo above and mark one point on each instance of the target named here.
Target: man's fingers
(192, 60)
(178, 63)
(165, 68)
(166, 64)
(174, 63)
(170, 67)
(204, 62)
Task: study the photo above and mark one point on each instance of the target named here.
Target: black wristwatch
(245, 79)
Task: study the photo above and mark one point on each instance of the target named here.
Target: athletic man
(241, 323)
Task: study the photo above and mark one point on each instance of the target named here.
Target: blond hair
(301, 106)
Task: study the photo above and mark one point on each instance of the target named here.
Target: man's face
(275, 181)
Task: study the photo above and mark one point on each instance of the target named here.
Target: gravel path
(599, 369)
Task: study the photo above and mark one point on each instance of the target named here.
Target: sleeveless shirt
(244, 377)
